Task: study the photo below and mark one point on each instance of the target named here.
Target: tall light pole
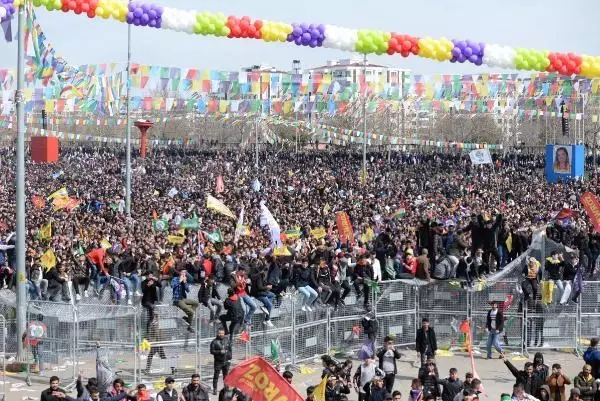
(364, 162)
(128, 135)
(20, 184)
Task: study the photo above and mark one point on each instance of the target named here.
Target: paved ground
(494, 374)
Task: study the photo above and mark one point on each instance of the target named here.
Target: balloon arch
(366, 41)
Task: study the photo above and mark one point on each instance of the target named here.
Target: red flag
(565, 214)
(344, 226)
(592, 207)
(220, 188)
(38, 201)
(260, 381)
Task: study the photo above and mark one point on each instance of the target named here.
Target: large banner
(564, 162)
(344, 227)
(480, 156)
(592, 207)
(261, 382)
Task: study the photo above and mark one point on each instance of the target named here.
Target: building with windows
(351, 70)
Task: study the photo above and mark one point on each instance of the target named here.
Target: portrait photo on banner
(562, 159)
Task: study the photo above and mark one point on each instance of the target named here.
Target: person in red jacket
(99, 273)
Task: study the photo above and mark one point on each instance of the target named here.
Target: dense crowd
(429, 216)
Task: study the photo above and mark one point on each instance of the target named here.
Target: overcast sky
(542, 24)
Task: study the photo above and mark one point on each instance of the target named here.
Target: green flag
(190, 224)
(214, 237)
(160, 225)
(274, 350)
(374, 285)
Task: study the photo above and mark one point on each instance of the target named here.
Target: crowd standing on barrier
(422, 216)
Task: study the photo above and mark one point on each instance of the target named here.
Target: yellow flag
(318, 232)
(48, 260)
(368, 235)
(319, 393)
(60, 202)
(175, 239)
(104, 244)
(326, 208)
(60, 193)
(45, 232)
(509, 244)
(363, 176)
(215, 204)
(282, 251)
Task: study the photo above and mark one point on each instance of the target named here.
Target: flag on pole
(398, 214)
(190, 224)
(256, 185)
(48, 260)
(239, 227)
(38, 202)
(62, 193)
(275, 350)
(218, 206)
(45, 233)
(267, 220)
(60, 202)
(480, 156)
(319, 393)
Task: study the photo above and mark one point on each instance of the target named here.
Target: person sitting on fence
(97, 260)
(128, 273)
(58, 283)
(241, 281)
(188, 306)
(531, 280)
(261, 290)
(304, 282)
(423, 271)
(234, 313)
(210, 298)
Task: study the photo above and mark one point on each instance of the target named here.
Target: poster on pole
(480, 156)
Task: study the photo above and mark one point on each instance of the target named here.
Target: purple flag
(7, 29)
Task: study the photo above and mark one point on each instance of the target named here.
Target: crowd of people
(427, 216)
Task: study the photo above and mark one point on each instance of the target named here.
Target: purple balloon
(130, 17)
(298, 41)
(137, 21)
(306, 37)
(314, 43)
(145, 19)
(321, 28)
(456, 52)
(152, 23)
(146, 7)
(462, 58)
(159, 23)
(473, 58)
(462, 45)
(468, 51)
(152, 14)
(132, 6)
(479, 61)
(290, 37)
(138, 12)
(304, 27)
(476, 49)
(297, 31)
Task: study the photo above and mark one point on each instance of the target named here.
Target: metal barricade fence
(114, 329)
(396, 309)
(344, 331)
(168, 344)
(55, 353)
(589, 314)
(445, 304)
(3, 333)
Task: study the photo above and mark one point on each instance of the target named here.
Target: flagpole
(364, 138)
(20, 178)
(128, 137)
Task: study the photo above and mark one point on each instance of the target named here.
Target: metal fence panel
(590, 298)
(396, 297)
(446, 325)
(114, 328)
(55, 354)
(3, 333)
(310, 333)
(173, 347)
(403, 327)
(443, 296)
(554, 327)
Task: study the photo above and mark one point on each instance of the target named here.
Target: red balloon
(78, 10)
(551, 68)
(571, 65)
(244, 24)
(258, 24)
(91, 14)
(65, 7)
(246, 18)
(393, 43)
(236, 31)
(407, 45)
(93, 4)
(258, 35)
(563, 70)
(390, 51)
(404, 53)
(85, 7)
(552, 57)
(558, 64)
(577, 70)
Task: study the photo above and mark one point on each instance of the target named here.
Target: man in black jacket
(168, 393)
(335, 389)
(220, 349)
(494, 326)
(426, 343)
(451, 386)
(228, 393)
(387, 356)
(209, 297)
(527, 377)
(54, 392)
(149, 296)
(195, 391)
